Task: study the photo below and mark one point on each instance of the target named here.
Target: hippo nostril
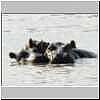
(12, 55)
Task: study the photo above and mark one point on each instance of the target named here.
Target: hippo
(67, 53)
(57, 56)
(34, 52)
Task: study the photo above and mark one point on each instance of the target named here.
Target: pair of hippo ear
(33, 43)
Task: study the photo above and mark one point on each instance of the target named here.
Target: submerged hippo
(34, 52)
(67, 54)
(57, 55)
(42, 52)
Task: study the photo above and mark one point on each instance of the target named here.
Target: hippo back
(84, 53)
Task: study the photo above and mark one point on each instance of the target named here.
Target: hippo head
(56, 55)
(37, 46)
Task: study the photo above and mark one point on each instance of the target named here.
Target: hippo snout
(20, 56)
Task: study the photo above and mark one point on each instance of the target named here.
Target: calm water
(18, 28)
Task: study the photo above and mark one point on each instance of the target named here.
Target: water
(18, 28)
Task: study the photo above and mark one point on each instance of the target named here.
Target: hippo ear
(73, 44)
(30, 43)
(12, 55)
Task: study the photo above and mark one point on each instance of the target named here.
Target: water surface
(18, 28)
